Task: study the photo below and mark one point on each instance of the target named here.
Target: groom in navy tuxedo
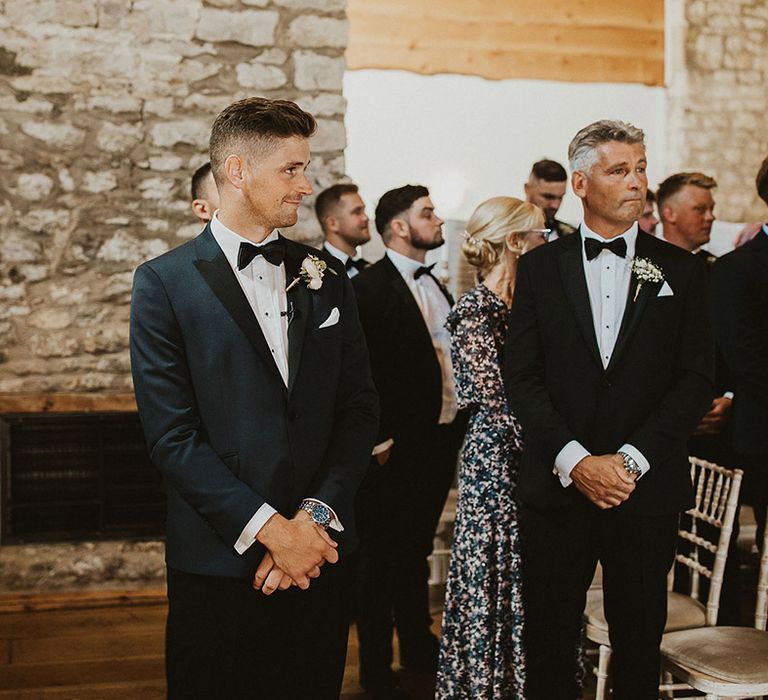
(609, 365)
(254, 389)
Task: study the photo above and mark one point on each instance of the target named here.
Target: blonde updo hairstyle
(490, 225)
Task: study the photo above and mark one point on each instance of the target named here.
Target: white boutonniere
(645, 271)
(312, 271)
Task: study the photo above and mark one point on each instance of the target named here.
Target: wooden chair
(717, 494)
(724, 662)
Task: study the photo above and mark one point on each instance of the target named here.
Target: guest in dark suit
(609, 368)
(687, 210)
(546, 188)
(205, 195)
(648, 220)
(740, 307)
(403, 310)
(341, 213)
(254, 390)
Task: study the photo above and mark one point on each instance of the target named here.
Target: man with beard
(341, 213)
(546, 188)
(403, 310)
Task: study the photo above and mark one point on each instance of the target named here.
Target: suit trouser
(227, 641)
(560, 551)
(398, 509)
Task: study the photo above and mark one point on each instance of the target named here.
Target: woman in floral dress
(481, 653)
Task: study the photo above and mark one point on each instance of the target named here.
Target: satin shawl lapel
(634, 308)
(216, 271)
(575, 283)
(409, 302)
(299, 298)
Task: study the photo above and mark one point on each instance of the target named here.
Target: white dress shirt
(608, 278)
(434, 308)
(341, 255)
(264, 287)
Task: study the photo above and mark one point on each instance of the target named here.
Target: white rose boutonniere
(312, 271)
(645, 271)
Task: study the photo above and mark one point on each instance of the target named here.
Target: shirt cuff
(248, 535)
(567, 459)
(639, 458)
(382, 447)
(335, 523)
(728, 395)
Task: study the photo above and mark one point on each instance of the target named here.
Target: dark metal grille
(74, 477)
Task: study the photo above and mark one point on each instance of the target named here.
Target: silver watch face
(319, 513)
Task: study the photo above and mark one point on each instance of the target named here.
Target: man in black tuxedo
(740, 312)
(205, 196)
(254, 390)
(609, 369)
(403, 310)
(341, 213)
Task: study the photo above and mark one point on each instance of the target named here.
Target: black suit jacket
(655, 389)
(222, 427)
(740, 317)
(403, 360)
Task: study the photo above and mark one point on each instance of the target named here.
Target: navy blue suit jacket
(222, 427)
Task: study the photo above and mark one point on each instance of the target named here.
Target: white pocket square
(666, 290)
(332, 319)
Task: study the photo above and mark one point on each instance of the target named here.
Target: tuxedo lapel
(409, 302)
(575, 283)
(299, 303)
(216, 271)
(634, 308)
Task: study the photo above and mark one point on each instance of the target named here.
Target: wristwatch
(320, 513)
(631, 466)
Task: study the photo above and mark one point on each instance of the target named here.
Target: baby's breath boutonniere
(312, 271)
(645, 271)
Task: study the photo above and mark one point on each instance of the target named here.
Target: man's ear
(234, 169)
(399, 227)
(331, 224)
(579, 183)
(668, 214)
(202, 209)
(527, 189)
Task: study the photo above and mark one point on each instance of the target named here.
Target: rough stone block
(259, 76)
(330, 136)
(174, 17)
(118, 138)
(190, 131)
(71, 13)
(313, 71)
(323, 105)
(55, 344)
(249, 27)
(708, 51)
(165, 163)
(32, 105)
(101, 181)
(255, 3)
(34, 186)
(116, 104)
(321, 5)
(311, 31)
(59, 135)
(50, 319)
(105, 340)
(274, 56)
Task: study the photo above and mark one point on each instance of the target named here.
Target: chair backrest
(711, 525)
(761, 609)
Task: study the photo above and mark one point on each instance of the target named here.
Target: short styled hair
(394, 203)
(549, 171)
(582, 154)
(255, 123)
(761, 181)
(649, 195)
(674, 183)
(329, 198)
(198, 178)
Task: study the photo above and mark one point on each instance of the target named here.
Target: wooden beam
(66, 403)
(80, 600)
(579, 41)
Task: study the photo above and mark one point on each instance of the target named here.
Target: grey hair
(582, 154)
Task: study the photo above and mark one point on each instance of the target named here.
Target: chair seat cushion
(734, 654)
(683, 612)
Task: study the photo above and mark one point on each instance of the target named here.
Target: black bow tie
(424, 270)
(358, 264)
(273, 252)
(593, 247)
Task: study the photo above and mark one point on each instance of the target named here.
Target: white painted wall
(468, 139)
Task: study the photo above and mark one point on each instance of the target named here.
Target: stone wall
(105, 110)
(718, 108)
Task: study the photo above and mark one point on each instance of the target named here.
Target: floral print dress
(481, 653)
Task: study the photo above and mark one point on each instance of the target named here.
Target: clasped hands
(603, 480)
(296, 549)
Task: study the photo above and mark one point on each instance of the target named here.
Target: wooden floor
(108, 646)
